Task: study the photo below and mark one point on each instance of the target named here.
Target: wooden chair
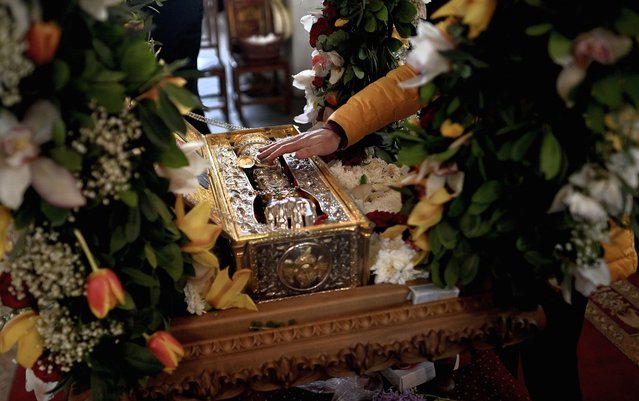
(268, 69)
(210, 64)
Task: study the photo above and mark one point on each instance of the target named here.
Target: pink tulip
(166, 348)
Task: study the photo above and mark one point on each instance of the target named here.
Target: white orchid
(325, 63)
(304, 80)
(587, 279)
(626, 166)
(98, 8)
(21, 163)
(395, 262)
(184, 180)
(425, 57)
(20, 14)
(309, 20)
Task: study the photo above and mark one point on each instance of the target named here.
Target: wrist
(337, 129)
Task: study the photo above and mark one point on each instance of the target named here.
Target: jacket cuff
(336, 128)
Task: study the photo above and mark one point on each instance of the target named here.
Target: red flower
(383, 220)
(7, 293)
(43, 39)
(321, 27)
(331, 98)
(318, 82)
(329, 11)
(166, 348)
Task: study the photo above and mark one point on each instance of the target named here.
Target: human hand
(317, 142)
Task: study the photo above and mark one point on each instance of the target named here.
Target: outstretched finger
(281, 148)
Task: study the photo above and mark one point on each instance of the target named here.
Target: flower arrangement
(527, 154)
(354, 43)
(96, 249)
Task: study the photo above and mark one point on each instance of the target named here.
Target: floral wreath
(526, 159)
(97, 249)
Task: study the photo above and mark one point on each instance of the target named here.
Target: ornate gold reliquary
(288, 221)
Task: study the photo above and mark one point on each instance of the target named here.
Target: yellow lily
(226, 293)
(340, 22)
(203, 235)
(449, 129)
(22, 330)
(474, 13)
(153, 93)
(5, 223)
(394, 231)
(428, 212)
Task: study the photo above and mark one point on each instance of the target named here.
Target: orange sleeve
(377, 105)
(620, 253)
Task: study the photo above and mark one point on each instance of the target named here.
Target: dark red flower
(329, 11)
(40, 369)
(7, 292)
(318, 82)
(426, 117)
(383, 220)
(321, 27)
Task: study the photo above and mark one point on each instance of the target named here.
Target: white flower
(20, 164)
(325, 63)
(587, 279)
(39, 387)
(309, 20)
(304, 80)
(184, 180)
(585, 207)
(394, 262)
(195, 303)
(20, 15)
(197, 287)
(98, 8)
(626, 166)
(425, 57)
(433, 174)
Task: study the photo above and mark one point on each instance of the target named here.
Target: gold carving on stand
(305, 266)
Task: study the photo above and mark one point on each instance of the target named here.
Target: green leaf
(129, 197)
(141, 278)
(118, 240)
(538, 30)
(132, 227)
(504, 151)
(595, 118)
(141, 359)
(382, 14)
(631, 87)
(478, 208)
(447, 154)
(154, 127)
(59, 132)
(376, 5)
(181, 96)
(371, 23)
(169, 258)
(359, 73)
(451, 274)
(103, 51)
(99, 387)
(412, 155)
(436, 246)
(159, 206)
(109, 76)
(628, 23)
(550, 157)
(138, 62)
(457, 207)
(405, 11)
(61, 74)
(149, 254)
(453, 106)
(469, 269)
(173, 157)
(447, 234)
(609, 91)
(405, 29)
(426, 92)
(522, 145)
(108, 94)
(129, 303)
(170, 114)
(558, 46)
(67, 158)
(56, 215)
(435, 275)
(393, 44)
(488, 192)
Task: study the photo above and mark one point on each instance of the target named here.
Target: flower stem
(85, 249)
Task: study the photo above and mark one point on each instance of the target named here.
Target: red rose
(426, 117)
(329, 11)
(318, 82)
(321, 27)
(383, 220)
(7, 293)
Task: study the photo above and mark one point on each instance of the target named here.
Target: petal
(99, 295)
(15, 328)
(115, 286)
(7, 122)
(29, 348)
(56, 184)
(40, 118)
(15, 181)
(206, 259)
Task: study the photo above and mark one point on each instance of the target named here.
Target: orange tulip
(5, 225)
(103, 287)
(43, 39)
(166, 348)
(104, 291)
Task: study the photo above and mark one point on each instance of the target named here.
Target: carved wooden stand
(353, 331)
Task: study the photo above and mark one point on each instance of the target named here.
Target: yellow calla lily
(203, 235)
(5, 223)
(22, 330)
(227, 293)
(450, 129)
(428, 211)
(474, 13)
(394, 231)
(340, 22)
